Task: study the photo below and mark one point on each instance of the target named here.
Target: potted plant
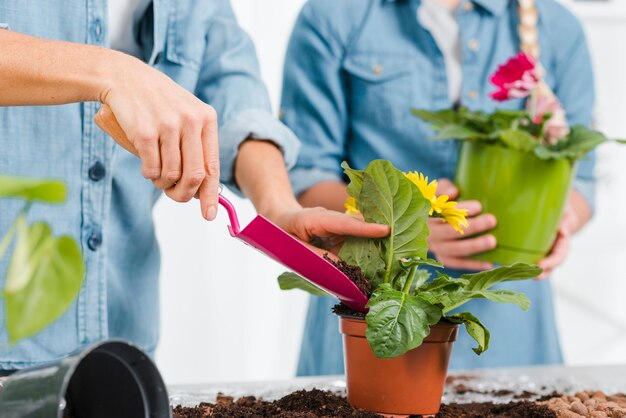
(45, 272)
(518, 163)
(397, 354)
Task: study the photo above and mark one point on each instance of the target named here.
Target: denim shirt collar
(495, 7)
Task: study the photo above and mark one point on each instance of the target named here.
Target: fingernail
(211, 213)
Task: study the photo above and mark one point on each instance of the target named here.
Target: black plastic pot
(111, 379)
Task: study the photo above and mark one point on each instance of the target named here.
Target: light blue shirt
(353, 71)
(201, 47)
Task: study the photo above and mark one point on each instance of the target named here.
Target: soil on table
(320, 404)
(300, 404)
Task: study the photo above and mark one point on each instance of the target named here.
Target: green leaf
(356, 180)
(486, 279)
(474, 328)
(43, 280)
(478, 286)
(441, 290)
(519, 140)
(397, 322)
(455, 299)
(575, 146)
(388, 197)
(32, 189)
(459, 132)
(437, 119)
(366, 254)
(290, 280)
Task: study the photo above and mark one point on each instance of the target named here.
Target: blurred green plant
(44, 273)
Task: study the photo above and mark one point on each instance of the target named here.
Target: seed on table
(598, 395)
(591, 403)
(579, 408)
(565, 413)
(598, 414)
(583, 396)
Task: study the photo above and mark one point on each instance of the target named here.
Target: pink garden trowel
(293, 254)
(268, 238)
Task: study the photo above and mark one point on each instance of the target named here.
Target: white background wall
(224, 319)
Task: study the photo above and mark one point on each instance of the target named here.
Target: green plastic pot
(111, 379)
(526, 194)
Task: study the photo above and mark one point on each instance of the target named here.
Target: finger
(335, 223)
(192, 165)
(148, 149)
(465, 263)
(209, 189)
(473, 207)
(442, 231)
(445, 186)
(171, 161)
(464, 247)
(556, 256)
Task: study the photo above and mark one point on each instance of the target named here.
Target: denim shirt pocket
(380, 86)
(185, 37)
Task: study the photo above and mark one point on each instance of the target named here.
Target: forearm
(261, 175)
(35, 71)
(327, 194)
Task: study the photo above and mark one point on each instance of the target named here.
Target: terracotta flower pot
(411, 384)
(526, 194)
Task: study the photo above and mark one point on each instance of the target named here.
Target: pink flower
(556, 127)
(516, 79)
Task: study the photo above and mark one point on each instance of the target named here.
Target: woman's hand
(174, 133)
(577, 213)
(453, 249)
(326, 230)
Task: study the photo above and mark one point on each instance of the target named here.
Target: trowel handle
(106, 120)
(233, 228)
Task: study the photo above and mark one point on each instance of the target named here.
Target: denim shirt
(353, 71)
(352, 76)
(108, 210)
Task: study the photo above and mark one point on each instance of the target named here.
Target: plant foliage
(44, 272)
(405, 303)
(512, 129)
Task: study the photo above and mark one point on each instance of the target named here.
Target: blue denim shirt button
(94, 241)
(97, 171)
(97, 29)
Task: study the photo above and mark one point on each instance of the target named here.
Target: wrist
(113, 67)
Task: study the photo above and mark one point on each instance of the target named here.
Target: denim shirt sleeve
(230, 81)
(313, 102)
(575, 89)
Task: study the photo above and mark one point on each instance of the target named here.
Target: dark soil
(355, 275)
(300, 404)
(319, 404)
(342, 310)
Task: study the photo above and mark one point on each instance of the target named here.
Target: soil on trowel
(355, 275)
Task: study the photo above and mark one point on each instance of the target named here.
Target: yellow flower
(350, 205)
(439, 205)
(428, 189)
